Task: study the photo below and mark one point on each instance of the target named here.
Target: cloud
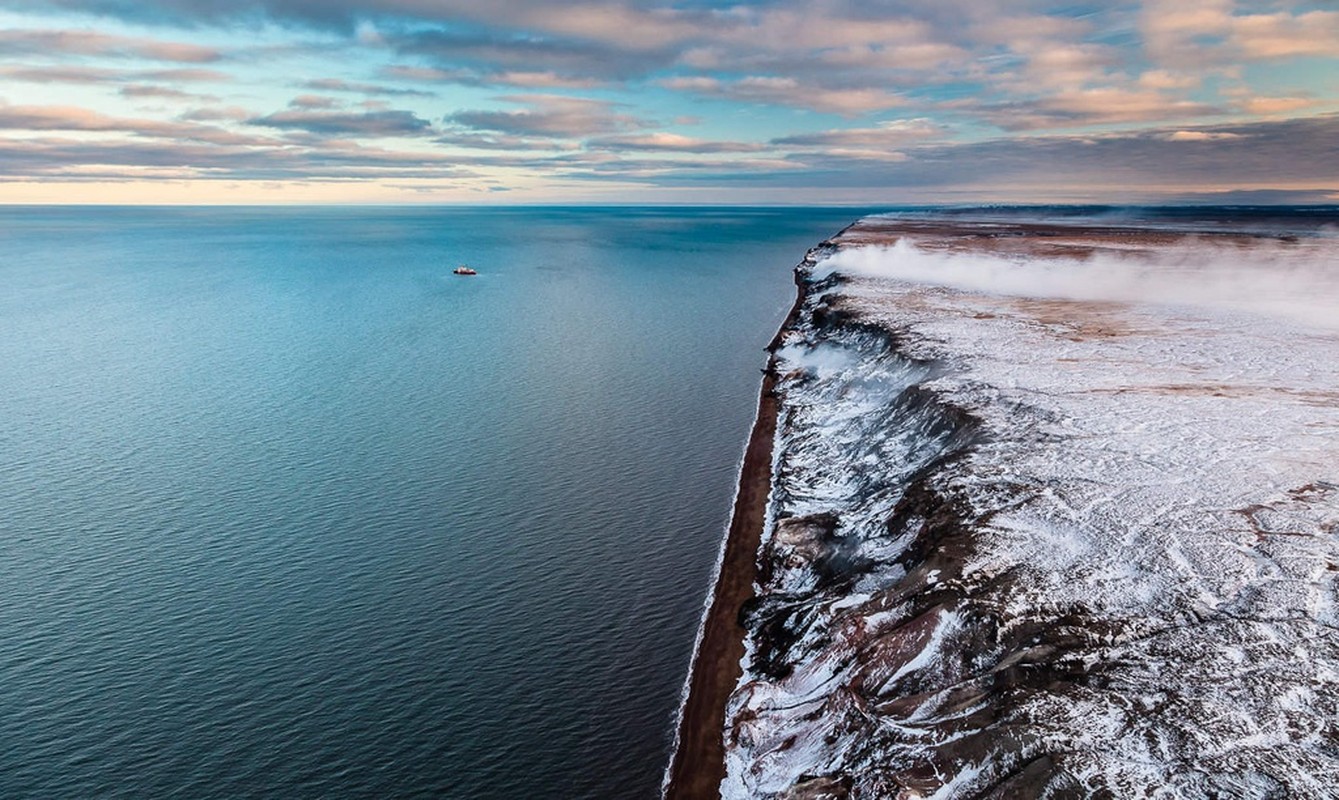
(670, 143)
(1201, 136)
(630, 25)
(184, 75)
(75, 75)
(1253, 154)
(74, 118)
(68, 159)
(888, 134)
(571, 44)
(1283, 35)
(495, 141)
(1162, 79)
(371, 89)
(599, 165)
(537, 79)
(496, 53)
(837, 156)
(1200, 33)
(372, 124)
(788, 91)
(1075, 108)
(313, 101)
(68, 118)
(1051, 66)
(1124, 167)
(140, 91)
(216, 113)
(626, 25)
(87, 43)
(1134, 83)
(1260, 197)
(1270, 106)
(1184, 32)
(818, 39)
(65, 74)
(549, 115)
(547, 79)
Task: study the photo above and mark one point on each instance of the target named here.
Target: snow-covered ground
(1062, 524)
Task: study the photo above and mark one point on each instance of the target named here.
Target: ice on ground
(1050, 526)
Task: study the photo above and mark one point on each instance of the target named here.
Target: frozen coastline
(697, 765)
(1031, 532)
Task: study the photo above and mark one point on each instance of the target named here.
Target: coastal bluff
(1033, 508)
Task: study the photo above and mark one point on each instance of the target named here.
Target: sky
(645, 101)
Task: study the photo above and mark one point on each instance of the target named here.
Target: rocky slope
(1054, 513)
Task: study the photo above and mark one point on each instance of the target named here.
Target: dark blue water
(288, 510)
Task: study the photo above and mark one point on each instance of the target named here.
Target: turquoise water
(288, 510)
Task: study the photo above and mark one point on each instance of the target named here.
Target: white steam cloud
(1297, 282)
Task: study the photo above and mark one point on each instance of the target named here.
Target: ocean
(289, 510)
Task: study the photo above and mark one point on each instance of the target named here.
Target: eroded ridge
(1029, 538)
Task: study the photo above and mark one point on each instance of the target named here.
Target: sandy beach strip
(698, 765)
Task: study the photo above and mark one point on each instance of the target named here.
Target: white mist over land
(1295, 281)
(1046, 523)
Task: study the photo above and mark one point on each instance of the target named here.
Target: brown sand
(699, 762)
(698, 766)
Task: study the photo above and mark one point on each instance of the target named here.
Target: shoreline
(697, 767)
(1012, 573)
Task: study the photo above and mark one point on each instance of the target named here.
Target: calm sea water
(287, 510)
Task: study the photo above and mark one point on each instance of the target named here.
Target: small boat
(464, 270)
